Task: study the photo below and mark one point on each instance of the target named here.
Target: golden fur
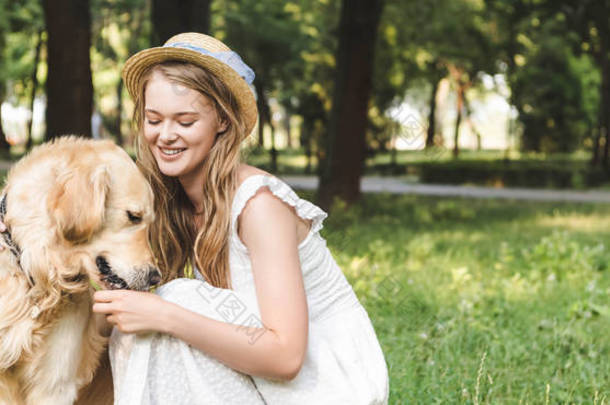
(67, 204)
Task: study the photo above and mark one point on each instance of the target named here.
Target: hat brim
(137, 64)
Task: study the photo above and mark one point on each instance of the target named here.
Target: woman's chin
(170, 170)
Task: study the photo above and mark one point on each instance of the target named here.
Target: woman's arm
(269, 230)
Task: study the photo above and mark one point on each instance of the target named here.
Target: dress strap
(249, 187)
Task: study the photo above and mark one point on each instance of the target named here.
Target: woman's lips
(170, 154)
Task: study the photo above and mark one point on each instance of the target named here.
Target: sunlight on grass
(482, 301)
(577, 222)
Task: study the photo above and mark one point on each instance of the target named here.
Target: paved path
(397, 186)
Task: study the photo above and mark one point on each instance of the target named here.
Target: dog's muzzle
(114, 282)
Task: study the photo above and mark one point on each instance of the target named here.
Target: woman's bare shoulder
(244, 171)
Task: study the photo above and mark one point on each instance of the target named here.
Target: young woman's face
(180, 126)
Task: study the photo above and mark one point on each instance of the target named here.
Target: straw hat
(206, 52)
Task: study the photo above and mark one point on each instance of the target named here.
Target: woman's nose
(166, 134)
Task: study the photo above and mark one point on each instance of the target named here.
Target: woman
(269, 317)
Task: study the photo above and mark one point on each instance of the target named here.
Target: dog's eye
(133, 217)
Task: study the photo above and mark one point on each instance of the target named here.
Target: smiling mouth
(113, 281)
(171, 152)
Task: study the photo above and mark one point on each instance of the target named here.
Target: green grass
(482, 301)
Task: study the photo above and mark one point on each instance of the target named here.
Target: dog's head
(91, 218)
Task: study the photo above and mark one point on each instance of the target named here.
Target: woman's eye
(152, 122)
(186, 124)
(134, 218)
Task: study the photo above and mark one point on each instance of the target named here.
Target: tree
(309, 93)
(69, 86)
(409, 57)
(120, 28)
(4, 145)
(268, 38)
(590, 20)
(442, 39)
(173, 17)
(34, 80)
(551, 94)
(465, 47)
(345, 149)
(22, 34)
(531, 34)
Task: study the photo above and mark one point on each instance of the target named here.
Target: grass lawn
(482, 301)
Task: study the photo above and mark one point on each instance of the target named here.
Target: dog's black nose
(154, 277)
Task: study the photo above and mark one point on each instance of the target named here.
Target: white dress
(344, 363)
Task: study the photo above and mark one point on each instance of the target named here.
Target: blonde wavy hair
(175, 240)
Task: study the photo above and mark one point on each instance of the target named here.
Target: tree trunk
(264, 112)
(345, 146)
(288, 129)
(393, 156)
(604, 115)
(273, 149)
(432, 115)
(458, 121)
(4, 145)
(305, 140)
(597, 133)
(468, 114)
(29, 140)
(119, 112)
(173, 17)
(69, 87)
(261, 133)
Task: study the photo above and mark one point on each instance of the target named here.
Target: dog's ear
(77, 202)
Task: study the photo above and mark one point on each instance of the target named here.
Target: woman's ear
(223, 125)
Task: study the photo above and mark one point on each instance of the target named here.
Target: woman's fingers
(108, 295)
(103, 308)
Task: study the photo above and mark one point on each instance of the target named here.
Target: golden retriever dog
(77, 213)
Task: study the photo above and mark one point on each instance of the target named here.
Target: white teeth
(171, 151)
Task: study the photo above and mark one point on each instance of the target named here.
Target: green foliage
(290, 46)
(3, 30)
(549, 52)
(482, 301)
(551, 92)
(419, 44)
(500, 173)
(20, 21)
(119, 29)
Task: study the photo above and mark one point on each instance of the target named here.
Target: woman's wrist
(167, 316)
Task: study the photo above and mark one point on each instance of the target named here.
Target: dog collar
(8, 239)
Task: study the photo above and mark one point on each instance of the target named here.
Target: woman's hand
(131, 311)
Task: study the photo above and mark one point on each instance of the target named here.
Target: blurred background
(474, 300)
(495, 92)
